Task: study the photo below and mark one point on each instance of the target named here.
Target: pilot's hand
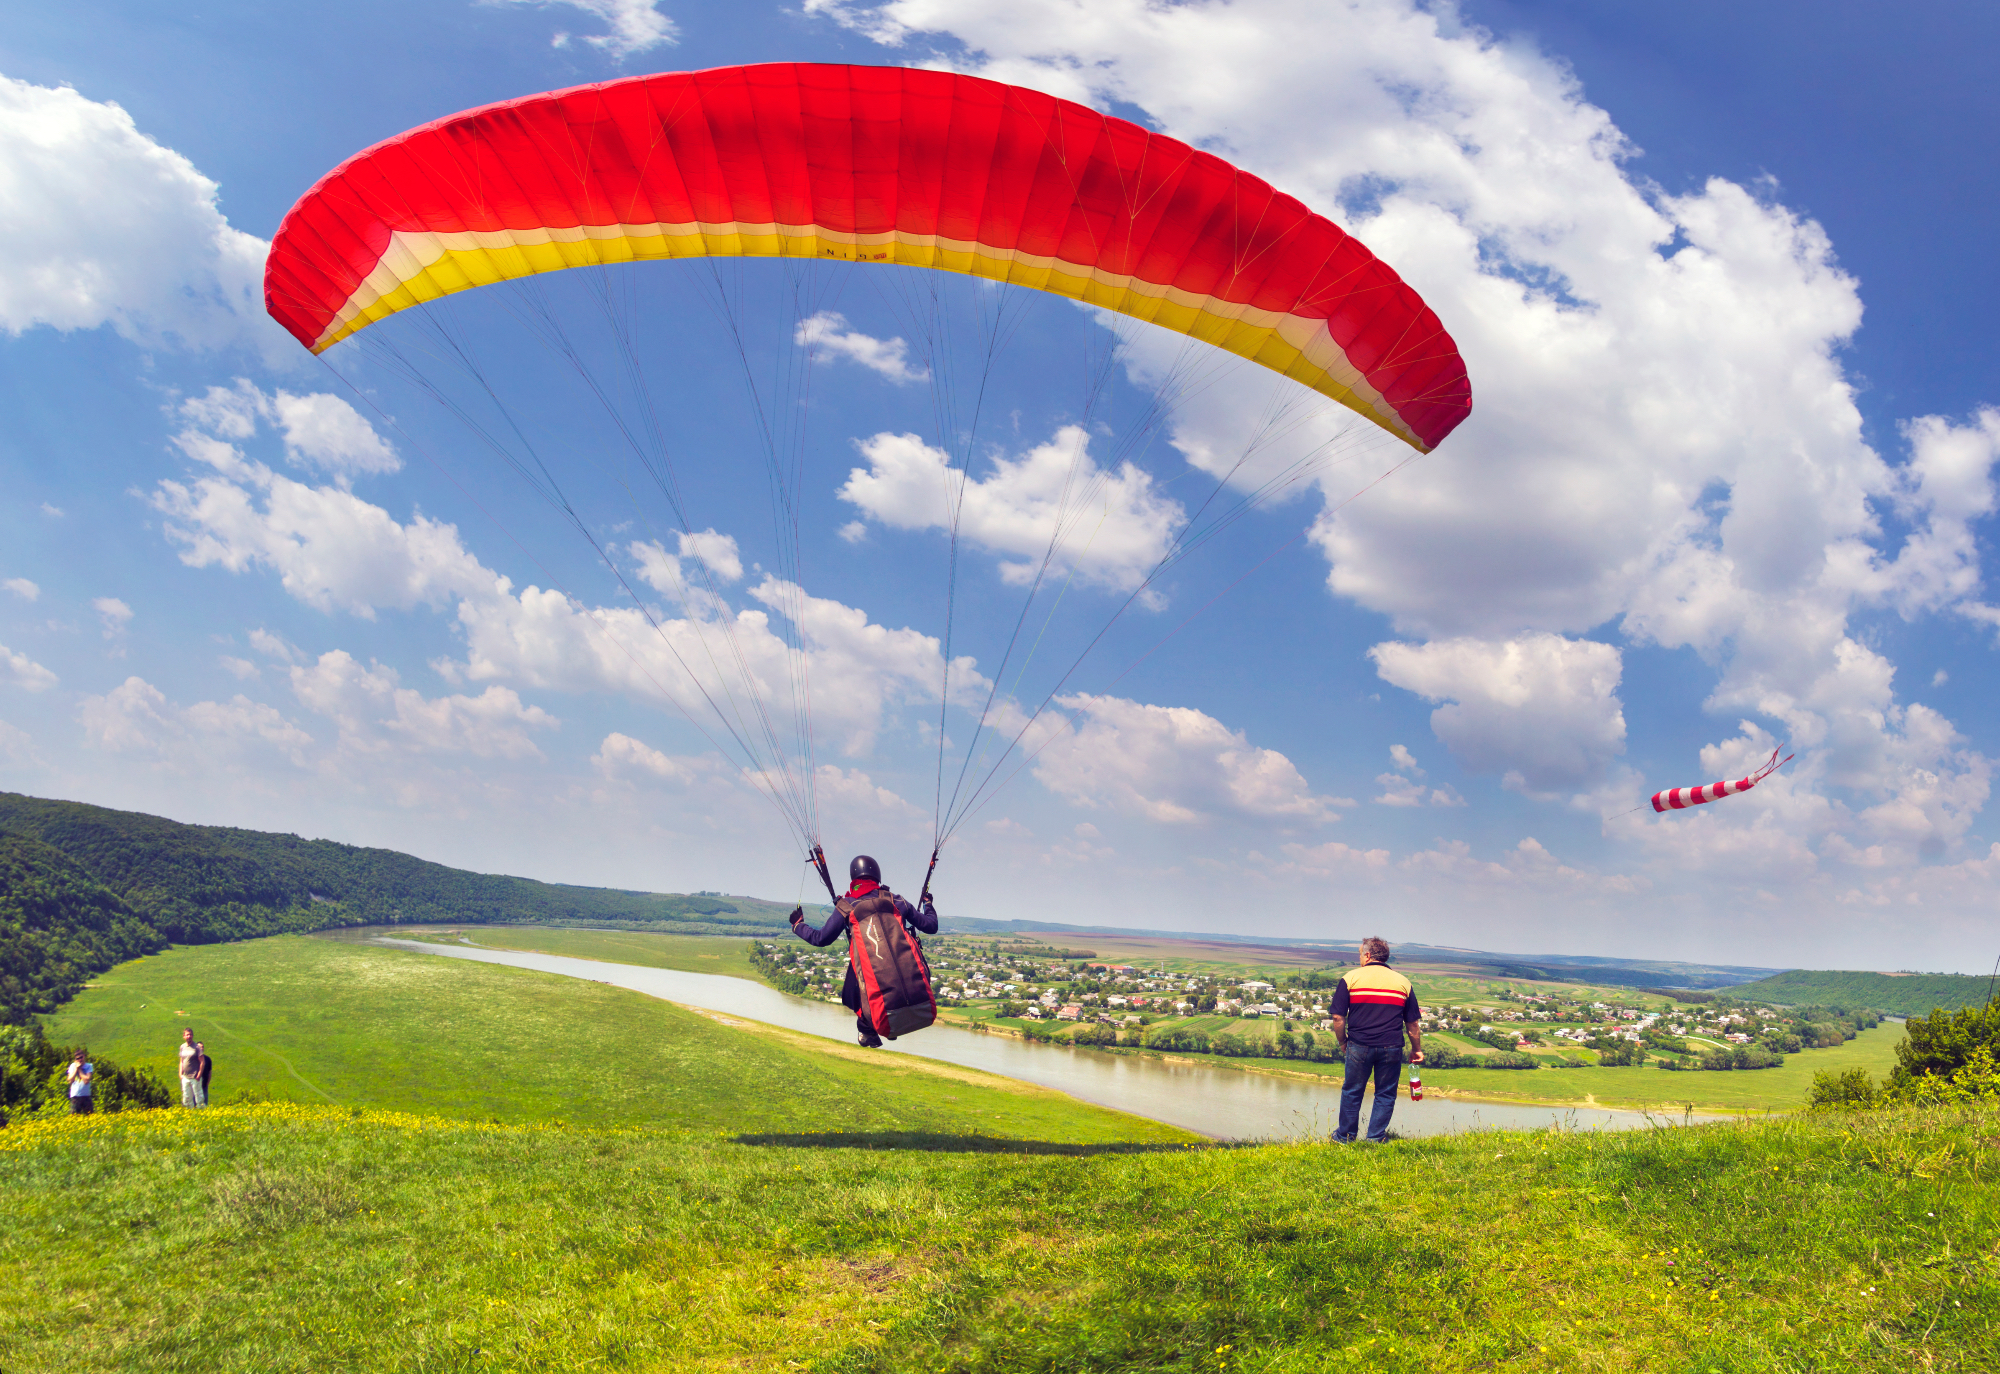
(798, 917)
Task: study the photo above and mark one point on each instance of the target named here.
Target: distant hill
(1906, 994)
(1631, 973)
(83, 887)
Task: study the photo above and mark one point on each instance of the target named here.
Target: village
(1045, 994)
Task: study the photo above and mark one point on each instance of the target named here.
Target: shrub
(1938, 1046)
(1742, 1057)
(1850, 1088)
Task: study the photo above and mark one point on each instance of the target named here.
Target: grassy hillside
(200, 883)
(1905, 994)
(318, 1021)
(283, 1239)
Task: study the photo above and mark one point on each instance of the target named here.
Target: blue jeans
(1386, 1063)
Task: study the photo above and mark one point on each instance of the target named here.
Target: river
(1224, 1103)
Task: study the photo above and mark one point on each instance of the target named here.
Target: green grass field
(288, 1238)
(354, 1025)
(725, 954)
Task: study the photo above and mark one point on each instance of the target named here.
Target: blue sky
(1729, 482)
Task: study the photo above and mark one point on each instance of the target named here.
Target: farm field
(1647, 1087)
(320, 1021)
(287, 1238)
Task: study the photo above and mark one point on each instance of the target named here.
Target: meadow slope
(355, 1025)
(287, 1238)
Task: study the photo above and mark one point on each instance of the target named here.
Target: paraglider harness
(885, 957)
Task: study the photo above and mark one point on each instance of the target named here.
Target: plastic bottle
(1416, 1087)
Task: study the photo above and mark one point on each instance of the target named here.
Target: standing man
(203, 1067)
(81, 1071)
(190, 1079)
(1373, 1008)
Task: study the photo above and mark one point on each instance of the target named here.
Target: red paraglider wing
(871, 165)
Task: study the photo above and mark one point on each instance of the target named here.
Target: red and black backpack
(888, 964)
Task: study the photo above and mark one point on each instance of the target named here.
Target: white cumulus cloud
(1541, 707)
(636, 25)
(1172, 764)
(321, 431)
(621, 756)
(1053, 501)
(21, 671)
(23, 588)
(828, 332)
(136, 717)
(376, 712)
(114, 614)
(104, 226)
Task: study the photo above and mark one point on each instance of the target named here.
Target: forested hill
(1904, 994)
(82, 887)
(57, 928)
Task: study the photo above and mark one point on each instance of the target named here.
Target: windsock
(1680, 798)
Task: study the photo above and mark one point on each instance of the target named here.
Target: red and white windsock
(1680, 798)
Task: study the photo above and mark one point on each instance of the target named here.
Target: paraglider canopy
(868, 165)
(829, 169)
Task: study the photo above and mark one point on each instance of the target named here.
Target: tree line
(1945, 1058)
(32, 1081)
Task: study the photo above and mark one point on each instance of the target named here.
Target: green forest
(84, 887)
(1899, 994)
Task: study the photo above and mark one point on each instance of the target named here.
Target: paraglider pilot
(867, 907)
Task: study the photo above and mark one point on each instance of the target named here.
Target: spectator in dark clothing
(204, 1068)
(864, 877)
(1373, 1008)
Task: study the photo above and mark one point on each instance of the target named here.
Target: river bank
(1648, 1091)
(1225, 1103)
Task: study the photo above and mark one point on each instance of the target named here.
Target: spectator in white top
(80, 1072)
(190, 1070)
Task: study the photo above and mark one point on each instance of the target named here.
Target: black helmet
(864, 867)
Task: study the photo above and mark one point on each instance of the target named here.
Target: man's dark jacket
(924, 922)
